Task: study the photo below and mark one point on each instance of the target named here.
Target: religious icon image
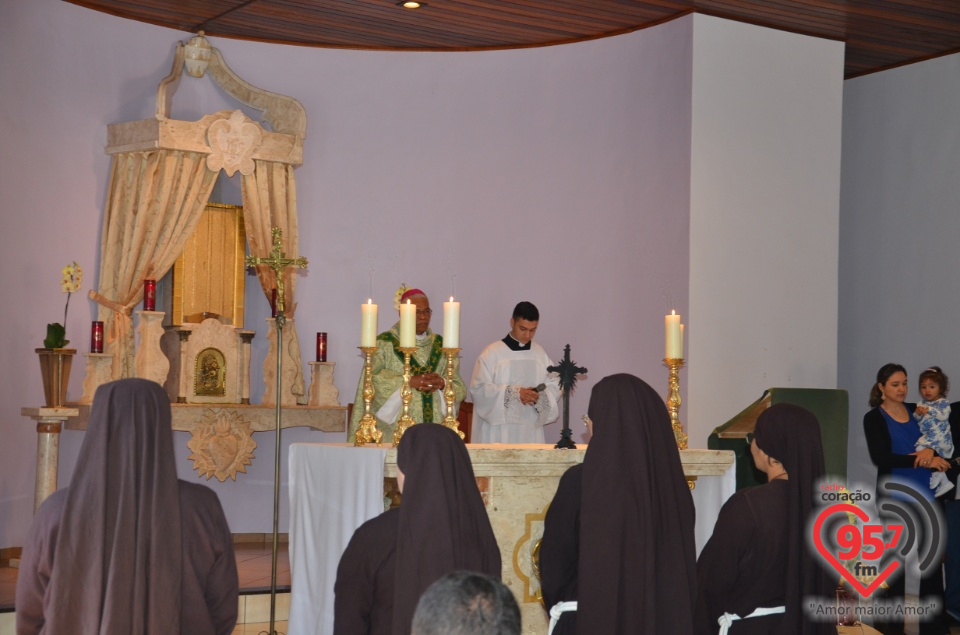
(210, 373)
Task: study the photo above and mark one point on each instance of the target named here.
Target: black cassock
(560, 548)
(363, 602)
(742, 567)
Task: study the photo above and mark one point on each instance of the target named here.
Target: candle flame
(451, 298)
(408, 300)
(673, 311)
(369, 300)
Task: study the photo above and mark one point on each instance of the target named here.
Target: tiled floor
(254, 565)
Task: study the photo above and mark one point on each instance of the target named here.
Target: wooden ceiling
(879, 34)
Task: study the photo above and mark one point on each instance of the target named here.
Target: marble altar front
(517, 483)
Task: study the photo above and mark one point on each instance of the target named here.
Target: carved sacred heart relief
(222, 445)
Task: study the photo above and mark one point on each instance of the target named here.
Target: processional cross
(568, 371)
(278, 262)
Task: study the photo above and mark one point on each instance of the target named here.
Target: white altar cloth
(709, 496)
(334, 488)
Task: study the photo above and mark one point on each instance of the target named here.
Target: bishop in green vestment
(428, 368)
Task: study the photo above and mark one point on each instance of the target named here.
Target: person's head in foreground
(467, 603)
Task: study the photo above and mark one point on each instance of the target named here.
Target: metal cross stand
(277, 262)
(568, 371)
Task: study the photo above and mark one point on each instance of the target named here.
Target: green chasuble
(388, 378)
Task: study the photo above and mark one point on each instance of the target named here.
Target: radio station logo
(867, 551)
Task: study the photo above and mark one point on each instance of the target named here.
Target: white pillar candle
(451, 324)
(408, 325)
(368, 324)
(672, 325)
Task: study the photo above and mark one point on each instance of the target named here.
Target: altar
(334, 488)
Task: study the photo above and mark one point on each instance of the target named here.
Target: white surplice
(499, 415)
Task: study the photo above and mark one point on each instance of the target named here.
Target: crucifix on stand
(277, 261)
(568, 371)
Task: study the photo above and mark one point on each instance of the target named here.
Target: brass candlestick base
(450, 392)
(406, 395)
(673, 401)
(367, 432)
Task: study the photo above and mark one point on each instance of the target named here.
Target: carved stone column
(246, 350)
(49, 424)
(99, 372)
(151, 363)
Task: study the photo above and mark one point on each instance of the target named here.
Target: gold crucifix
(278, 263)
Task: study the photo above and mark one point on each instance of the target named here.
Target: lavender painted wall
(899, 227)
(764, 216)
(557, 175)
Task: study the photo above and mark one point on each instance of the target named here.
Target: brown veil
(637, 565)
(444, 525)
(118, 558)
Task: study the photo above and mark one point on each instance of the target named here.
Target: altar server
(756, 569)
(428, 367)
(441, 526)
(618, 552)
(514, 395)
(127, 548)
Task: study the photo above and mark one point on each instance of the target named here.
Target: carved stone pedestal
(292, 382)
(151, 363)
(99, 372)
(323, 392)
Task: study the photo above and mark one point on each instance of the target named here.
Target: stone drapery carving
(158, 155)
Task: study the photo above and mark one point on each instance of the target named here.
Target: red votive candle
(149, 295)
(273, 304)
(321, 347)
(96, 337)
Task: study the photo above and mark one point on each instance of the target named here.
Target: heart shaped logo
(865, 591)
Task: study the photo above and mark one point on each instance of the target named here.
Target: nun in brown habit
(127, 548)
(618, 555)
(757, 562)
(441, 526)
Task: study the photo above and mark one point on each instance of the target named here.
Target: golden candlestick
(367, 431)
(406, 395)
(673, 401)
(450, 392)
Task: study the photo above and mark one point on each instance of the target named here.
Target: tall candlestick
(451, 324)
(408, 325)
(368, 324)
(674, 349)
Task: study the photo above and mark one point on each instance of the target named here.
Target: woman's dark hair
(876, 397)
(937, 376)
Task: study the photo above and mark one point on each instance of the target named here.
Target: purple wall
(557, 175)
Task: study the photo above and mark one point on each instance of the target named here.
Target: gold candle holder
(406, 395)
(367, 432)
(673, 400)
(450, 392)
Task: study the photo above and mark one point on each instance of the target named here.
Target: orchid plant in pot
(70, 283)
(55, 359)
